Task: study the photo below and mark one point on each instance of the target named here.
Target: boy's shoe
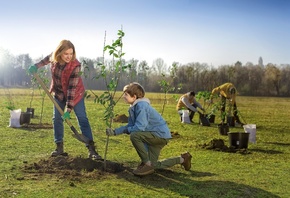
(140, 165)
(187, 161)
(143, 170)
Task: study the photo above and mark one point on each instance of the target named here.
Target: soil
(121, 118)
(219, 145)
(76, 168)
(72, 167)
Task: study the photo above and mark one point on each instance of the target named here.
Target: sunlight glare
(1, 56)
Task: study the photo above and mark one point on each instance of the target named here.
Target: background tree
(273, 78)
(260, 62)
(142, 73)
(250, 79)
(285, 82)
(159, 65)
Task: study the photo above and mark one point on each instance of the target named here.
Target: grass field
(262, 171)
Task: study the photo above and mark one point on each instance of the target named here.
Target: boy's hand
(110, 132)
(65, 116)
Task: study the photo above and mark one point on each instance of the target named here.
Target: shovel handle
(47, 93)
(77, 135)
(51, 98)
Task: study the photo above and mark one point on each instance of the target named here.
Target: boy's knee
(133, 136)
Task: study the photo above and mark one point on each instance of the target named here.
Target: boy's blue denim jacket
(144, 118)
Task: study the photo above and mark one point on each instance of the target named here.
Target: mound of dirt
(219, 145)
(66, 166)
(121, 118)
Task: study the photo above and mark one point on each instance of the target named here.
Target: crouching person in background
(188, 102)
(148, 132)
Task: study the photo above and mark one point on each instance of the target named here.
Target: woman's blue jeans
(83, 122)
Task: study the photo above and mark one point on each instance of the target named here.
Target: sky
(215, 32)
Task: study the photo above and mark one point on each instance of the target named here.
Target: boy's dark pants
(148, 147)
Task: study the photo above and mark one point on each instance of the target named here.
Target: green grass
(262, 173)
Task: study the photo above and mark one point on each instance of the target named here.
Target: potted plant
(223, 127)
(204, 96)
(10, 104)
(230, 116)
(30, 109)
(238, 140)
(25, 118)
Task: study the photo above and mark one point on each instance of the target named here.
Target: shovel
(75, 134)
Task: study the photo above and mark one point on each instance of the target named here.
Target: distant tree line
(250, 79)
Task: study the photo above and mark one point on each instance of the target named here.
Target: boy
(148, 131)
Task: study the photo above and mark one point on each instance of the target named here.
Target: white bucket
(251, 128)
(14, 120)
(185, 116)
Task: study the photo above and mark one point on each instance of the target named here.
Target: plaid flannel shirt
(57, 88)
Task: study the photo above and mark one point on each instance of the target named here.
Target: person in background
(188, 101)
(227, 91)
(148, 132)
(68, 91)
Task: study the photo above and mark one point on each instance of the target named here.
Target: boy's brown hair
(134, 89)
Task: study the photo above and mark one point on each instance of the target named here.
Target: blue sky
(216, 32)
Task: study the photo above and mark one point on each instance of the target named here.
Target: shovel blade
(81, 138)
(78, 136)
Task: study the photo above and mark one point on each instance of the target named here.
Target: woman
(68, 90)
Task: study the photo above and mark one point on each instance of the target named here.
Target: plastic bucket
(25, 118)
(238, 140)
(30, 110)
(211, 118)
(251, 128)
(203, 120)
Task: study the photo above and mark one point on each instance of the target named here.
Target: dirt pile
(219, 145)
(66, 166)
(121, 118)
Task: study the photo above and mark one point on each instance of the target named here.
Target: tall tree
(159, 65)
(260, 62)
(142, 73)
(273, 78)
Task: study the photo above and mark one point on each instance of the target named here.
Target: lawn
(260, 171)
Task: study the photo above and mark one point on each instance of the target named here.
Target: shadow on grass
(272, 152)
(168, 182)
(279, 143)
(34, 126)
